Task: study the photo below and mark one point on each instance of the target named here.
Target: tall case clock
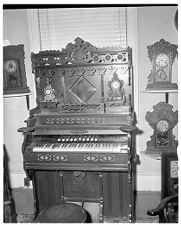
(162, 55)
(163, 119)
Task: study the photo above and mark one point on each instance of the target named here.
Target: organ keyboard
(85, 152)
(78, 143)
(110, 147)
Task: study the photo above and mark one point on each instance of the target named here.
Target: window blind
(103, 26)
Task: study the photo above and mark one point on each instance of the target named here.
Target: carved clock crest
(162, 55)
(162, 120)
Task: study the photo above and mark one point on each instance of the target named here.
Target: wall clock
(162, 120)
(14, 76)
(169, 174)
(162, 55)
(176, 20)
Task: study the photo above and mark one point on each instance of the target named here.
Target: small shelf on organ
(160, 91)
(16, 95)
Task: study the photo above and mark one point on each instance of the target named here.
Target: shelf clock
(163, 119)
(162, 55)
(14, 76)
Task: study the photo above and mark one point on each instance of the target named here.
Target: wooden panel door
(48, 189)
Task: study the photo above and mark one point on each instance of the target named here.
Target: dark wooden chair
(8, 201)
(167, 210)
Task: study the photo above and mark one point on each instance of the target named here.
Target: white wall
(15, 29)
(154, 23)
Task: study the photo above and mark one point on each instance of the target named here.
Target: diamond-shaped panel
(82, 89)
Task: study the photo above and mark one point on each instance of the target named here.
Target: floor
(93, 210)
(28, 218)
(144, 201)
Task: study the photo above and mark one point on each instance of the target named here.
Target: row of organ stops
(75, 139)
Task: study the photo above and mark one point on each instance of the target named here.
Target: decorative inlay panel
(78, 120)
(101, 158)
(81, 158)
(47, 157)
(79, 108)
(91, 158)
(82, 89)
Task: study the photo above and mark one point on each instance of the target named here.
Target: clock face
(162, 126)
(162, 60)
(48, 91)
(10, 66)
(174, 169)
(115, 84)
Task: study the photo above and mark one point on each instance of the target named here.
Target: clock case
(170, 51)
(169, 182)
(14, 79)
(162, 142)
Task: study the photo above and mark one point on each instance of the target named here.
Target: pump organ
(78, 142)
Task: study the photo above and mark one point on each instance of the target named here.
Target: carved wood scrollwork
(162, 110)
(162, 120)
(83, 78)
(164, 47)
(78, 53)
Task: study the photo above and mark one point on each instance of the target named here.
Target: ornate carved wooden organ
(78, 143)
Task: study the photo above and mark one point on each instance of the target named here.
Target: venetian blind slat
(104, 26)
